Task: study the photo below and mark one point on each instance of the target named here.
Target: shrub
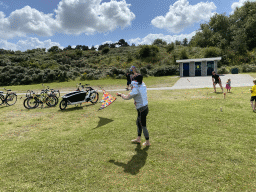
(165, 71)
(223, 70)
(170, 47)
(143, 71)
(149, 66)
(148, 51)
(183, 54)
(212, 52)
(249, 68)
(105, 50)
(79, 52)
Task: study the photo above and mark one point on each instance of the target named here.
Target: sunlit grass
(195, 145)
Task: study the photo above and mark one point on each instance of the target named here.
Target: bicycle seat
(1, 92)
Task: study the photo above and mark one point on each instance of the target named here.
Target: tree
(68, 48)
(185, 42)
(113, 45)
(93, 48)
(54, 49)
(183, 54)
(170, 47)
(243, 26)
(159, 42)
(177, 42)
(79, 47)
(122, 43)
(85, 48)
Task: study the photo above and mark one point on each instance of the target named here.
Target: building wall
(204, 68)
(215, 66)
(192, 69)
(181, 69)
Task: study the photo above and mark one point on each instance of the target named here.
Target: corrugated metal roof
(198, 60)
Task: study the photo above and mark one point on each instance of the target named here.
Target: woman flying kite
(139, 94)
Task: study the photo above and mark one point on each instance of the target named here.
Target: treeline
(231, 37)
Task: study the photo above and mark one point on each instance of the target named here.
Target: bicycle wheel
(32, 103)
(1, 99)
(25, 103)
(63, 104)
(94, 97)
(52, 101)
(11, 99)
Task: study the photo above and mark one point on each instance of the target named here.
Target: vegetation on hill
(230, 37)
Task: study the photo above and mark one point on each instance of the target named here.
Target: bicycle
(9, 99)
(33, 100)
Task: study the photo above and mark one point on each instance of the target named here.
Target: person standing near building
(139, 94)
(216, 80)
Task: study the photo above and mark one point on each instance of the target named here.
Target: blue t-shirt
(139, 94)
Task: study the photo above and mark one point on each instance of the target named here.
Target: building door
(210, 67)
(185, 69)
(197, 68)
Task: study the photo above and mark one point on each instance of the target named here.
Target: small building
(198, 67)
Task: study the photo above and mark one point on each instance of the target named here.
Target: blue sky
(29, 24)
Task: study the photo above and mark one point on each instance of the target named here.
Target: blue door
(210, 67)
(197, 68)
(185, 69)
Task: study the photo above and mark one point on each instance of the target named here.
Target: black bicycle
(9, 98)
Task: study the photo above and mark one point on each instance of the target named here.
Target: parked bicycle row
(50, 97)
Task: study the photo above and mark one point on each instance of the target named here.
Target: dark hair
(139, 79)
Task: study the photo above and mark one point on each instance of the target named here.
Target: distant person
(133, 73)
(253, 95)
(128, 76)
(228, 85)
(139, 94)
(216, 80)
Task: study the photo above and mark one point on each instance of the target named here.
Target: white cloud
(29, 43)
(27, 21)
(4, 44)
(182, 15)
(72, 17)
(239, 4)
(89, 16)
(149, 39)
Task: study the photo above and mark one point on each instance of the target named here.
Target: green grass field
(194, 145)
(105, 83)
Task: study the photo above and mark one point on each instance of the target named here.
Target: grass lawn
(105, 83)
(194, 145)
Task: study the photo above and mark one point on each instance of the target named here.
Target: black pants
(142, 122)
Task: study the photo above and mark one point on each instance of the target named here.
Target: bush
(148, 51)
(170, 47)
(165, 71)
(183, 54)
(105, 50)
(212, 52)
(143, 71)
(223, 70)
(249, 68)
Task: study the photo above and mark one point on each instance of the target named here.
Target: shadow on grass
(136, 163)
(103, 121)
